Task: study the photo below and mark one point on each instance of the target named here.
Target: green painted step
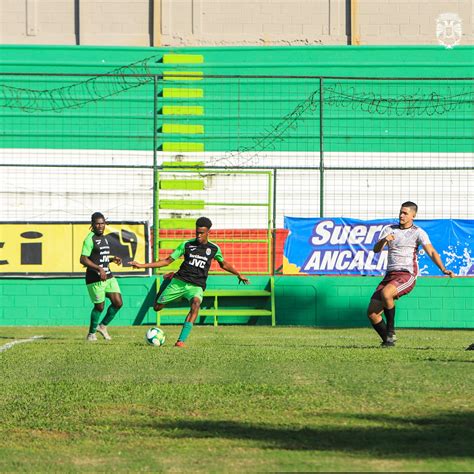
(182, 128)
(182, 184)
(176, 224)
(183, 164)
(184, 93)
(183, 75)
(182, 110)
(210, 293)
(220, 312)
(183, 146)
(180, 204)
(183, 58)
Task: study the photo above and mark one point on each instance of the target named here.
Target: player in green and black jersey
(190, 280)
(100, 282)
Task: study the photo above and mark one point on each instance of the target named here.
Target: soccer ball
(155, 337)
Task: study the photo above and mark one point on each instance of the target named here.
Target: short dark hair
(97, 215)
(204, 222)
(411, 205)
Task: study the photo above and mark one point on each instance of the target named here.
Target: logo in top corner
(208, 251)
(449, 29)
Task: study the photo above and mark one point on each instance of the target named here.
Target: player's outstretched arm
(228, 267)
(160, 263)
(434, 255)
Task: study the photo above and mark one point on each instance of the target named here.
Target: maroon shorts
(403, 281)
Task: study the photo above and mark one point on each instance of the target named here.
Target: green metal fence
(330, 146)
(181, 190)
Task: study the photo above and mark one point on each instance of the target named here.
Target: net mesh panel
(72, 145)
(238, 204)
(387, 142)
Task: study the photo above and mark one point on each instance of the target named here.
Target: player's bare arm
(434, 255)
(228, 267)
(160, 263)
(87, 262)
(378, 247)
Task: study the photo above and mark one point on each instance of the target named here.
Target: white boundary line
(9, 345)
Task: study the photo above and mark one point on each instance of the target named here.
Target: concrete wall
(114, 22)
(305, 301)
(68, 22)
(35, 22)
(264, 22)
(408, 21)
(65, 302)
(227, 22)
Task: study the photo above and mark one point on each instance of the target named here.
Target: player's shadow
(308, 345)
(146, 305)
(446, 435)
(460, 361)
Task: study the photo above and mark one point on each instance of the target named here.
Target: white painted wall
(57, 194)
(227, 22)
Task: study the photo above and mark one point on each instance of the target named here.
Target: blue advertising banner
(341, 246)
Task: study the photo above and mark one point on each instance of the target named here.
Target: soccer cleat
(91, 337)
(391, 336)
(179, 344)
(470, 348)
(101, 329)
(386, 344)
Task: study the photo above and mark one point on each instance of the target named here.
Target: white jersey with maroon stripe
(403, 250)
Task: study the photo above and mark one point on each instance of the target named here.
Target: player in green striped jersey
(100, 282)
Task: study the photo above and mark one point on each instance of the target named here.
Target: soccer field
(237, 399)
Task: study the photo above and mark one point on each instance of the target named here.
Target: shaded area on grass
(446, 435)
(147, 303)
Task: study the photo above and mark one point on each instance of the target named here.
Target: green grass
(237, 399)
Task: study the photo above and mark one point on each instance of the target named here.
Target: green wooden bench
(216, 310)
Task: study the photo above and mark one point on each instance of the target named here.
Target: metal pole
(274, 234)
(269, 223)
(155, 170)
(321, 148)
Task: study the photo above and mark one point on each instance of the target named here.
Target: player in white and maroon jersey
(403, 240)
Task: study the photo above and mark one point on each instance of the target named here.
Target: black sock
(390, 317)
(381, 329)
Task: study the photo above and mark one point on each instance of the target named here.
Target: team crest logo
(208, 251)
(448, 29)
